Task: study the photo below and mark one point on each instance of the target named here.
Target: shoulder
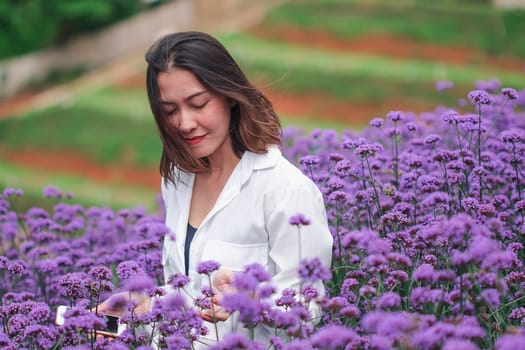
(171, 189)
(284, 190)
(274, 173)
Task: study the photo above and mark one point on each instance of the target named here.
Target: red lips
(194, 140)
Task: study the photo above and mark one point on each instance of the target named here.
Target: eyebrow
(186, 98)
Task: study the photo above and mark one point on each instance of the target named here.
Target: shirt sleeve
(289, 244)
(163, 190)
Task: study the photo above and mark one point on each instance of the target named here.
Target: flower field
(427, 213)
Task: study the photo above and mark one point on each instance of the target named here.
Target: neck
(222, 162)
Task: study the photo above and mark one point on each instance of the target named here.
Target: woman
(228, 191)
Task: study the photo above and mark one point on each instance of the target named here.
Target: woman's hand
(222, 284)
(216, 314)
(117, 303)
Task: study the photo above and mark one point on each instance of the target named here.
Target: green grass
(56, 76)
(252, 51)
(115, 125)
(86, 191)
(114, 195)
(479, 26)
(129, 103)
(98, 133)
(351, 86)
(313, 122)
(107, 125)
(357, 77)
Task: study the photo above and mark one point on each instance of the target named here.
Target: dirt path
(106, 75)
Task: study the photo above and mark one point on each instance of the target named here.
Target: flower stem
(214, 317)
(479, 154)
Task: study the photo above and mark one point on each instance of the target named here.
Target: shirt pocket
(234, 256)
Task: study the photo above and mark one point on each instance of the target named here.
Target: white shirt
(249, 223)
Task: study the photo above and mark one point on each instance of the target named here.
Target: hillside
(315, 76)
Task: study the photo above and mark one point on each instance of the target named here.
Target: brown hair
(254, 124)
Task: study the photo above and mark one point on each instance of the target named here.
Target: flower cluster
(427, 214)
(69, 256)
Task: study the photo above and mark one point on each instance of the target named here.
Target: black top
(190, 232)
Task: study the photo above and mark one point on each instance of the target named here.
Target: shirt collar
(249, 162)
(261, 161)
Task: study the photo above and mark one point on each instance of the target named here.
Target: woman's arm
(289, 244)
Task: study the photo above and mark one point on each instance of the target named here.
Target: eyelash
(201, 106)
(170, 112)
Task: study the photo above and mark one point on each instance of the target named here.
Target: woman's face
(201, 116)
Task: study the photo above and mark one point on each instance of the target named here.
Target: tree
(29, 25)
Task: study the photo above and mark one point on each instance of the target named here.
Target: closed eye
(200, 105)
(170, 112)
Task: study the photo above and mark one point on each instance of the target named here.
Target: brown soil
(331, 109)
(70, 163)
(388, 45)
(15, 105)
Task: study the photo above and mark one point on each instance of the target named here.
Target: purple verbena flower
(299, 219)
(335, 337)
(250, 310)
(510, 342)
(287, 298)
(444, 85)
(389, 300)
(395, 116)
(310, 160)
(52, 192)
(41, 336)
(129, 268)
(510, 93)
(313, 270)
(232, 341)
(488, 85)
(480, 97)
(517, 313)
(207, 267)
(101, 272)
(512, 136)
(178, 281)
(376, 122)
(424, 272)
(139, 283)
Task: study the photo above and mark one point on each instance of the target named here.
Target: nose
(187, 122)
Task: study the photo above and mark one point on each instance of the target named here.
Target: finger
(103, 308)
(219, 317)
(214, 316)
(99, 309)
(222, 278)
(144, 306)
(206, 315)
(115, 304)
(222, 315)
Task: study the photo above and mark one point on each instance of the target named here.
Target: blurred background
(73, 106)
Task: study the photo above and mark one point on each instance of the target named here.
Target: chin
(200, 153)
